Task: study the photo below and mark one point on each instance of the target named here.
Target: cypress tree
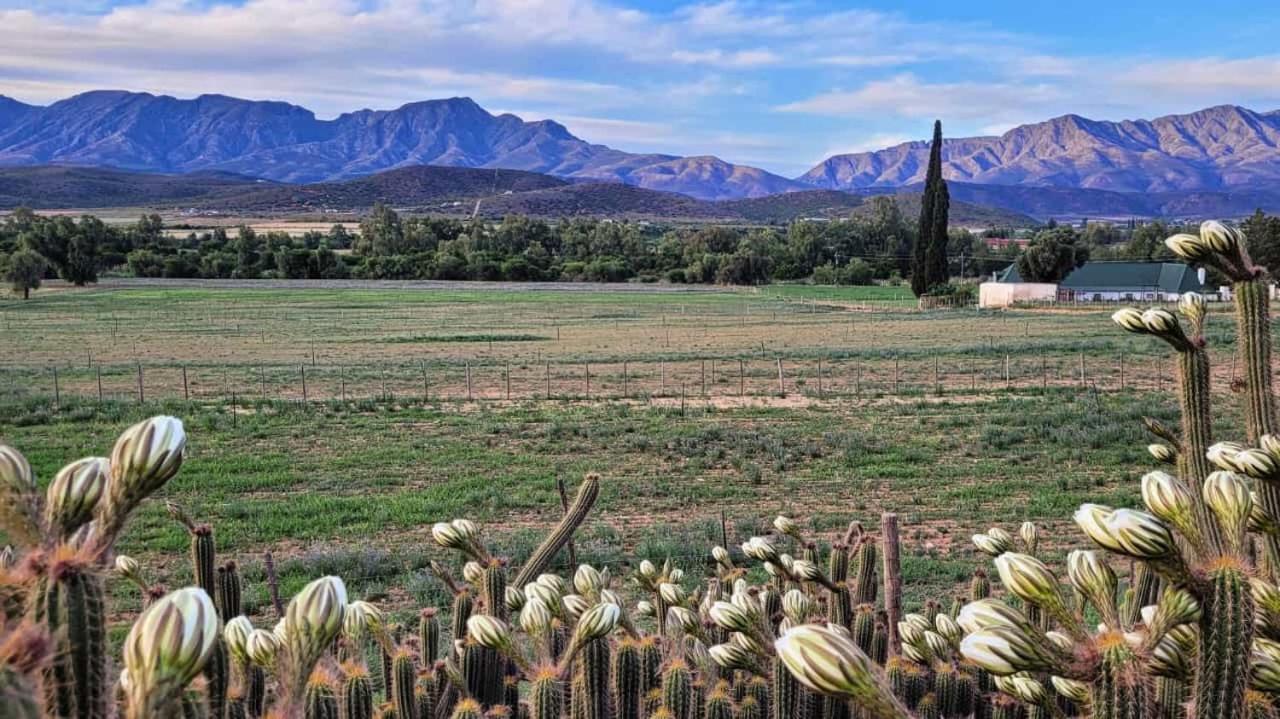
(929, 261)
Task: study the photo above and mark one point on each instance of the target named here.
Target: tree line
(876, 246)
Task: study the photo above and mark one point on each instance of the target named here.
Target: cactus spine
(229, 589)
(718, 706)
(217, 674)
(202, 559)
(785, 696)
(320, 703)
(866, 590)
(594, 666)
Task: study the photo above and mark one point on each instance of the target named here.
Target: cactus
(463, 605)
(68, 600)
(320, 701)
(627, 676)
(1227, 622)
(588, 491)
(357, 694)
(429, 635)
(866, 588)
(546, 695)
(404, 680)
(482, 670)
(217, 674)
(980, 586)
(229, 589)
(749, 708)
(719, 706)
(785, 694)
(594, 665)
(255, 693)
(677, 690)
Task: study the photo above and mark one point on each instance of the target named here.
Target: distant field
(673, 396)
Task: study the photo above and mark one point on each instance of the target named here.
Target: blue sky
(780, 85)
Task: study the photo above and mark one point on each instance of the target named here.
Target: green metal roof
(1123, 277)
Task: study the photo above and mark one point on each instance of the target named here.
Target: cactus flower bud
(313, 619)
(1170, 658)
(647, 570)
(587, 580)
(553, 581)
(167, 647)
(1257, 463)
(989, 545)
(361, 617)
(262, 648)
(513, 599)
(1175, 607)
(1141, 535)
(1193, 307)
(808, 571)
(947, 627)
(731, 656)
(574, 605)
(910, 633)
(489, 632)
(1271, 443)
(1073, 690)
(1223, 455)
(830, 663)
(1090, 575)
(686, 618)
(447, 536)
(1024, 689)
(797, 605)
(146, 455)
(1219, 237)
(535, 617)
(19, 497)
(917, 652)
(1227, 495)
(596, 622)
(472, 572)
(72, 497)
(1161, 322)
(236, 634)
(644, 608)
(1129, 319)
(937, 644)
(128, 568)
(760, 549)
(1031, 580)
(1264, 665)
(731, 616)
(1005, 651)
(1188, 248)
(1168, 499)
(985, 613)
(675, 575)
(786, 525)
(671, 593)
(1030, 535)
(721, 555)
(1163, 454)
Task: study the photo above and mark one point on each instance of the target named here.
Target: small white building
(997, 295)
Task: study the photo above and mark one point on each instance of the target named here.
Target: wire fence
(710, 379)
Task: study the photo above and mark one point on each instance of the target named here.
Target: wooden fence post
(1122, 370)
(819, 378)
(548, 378)
(141, 395)
(895, 375)
(703, 365)
(937, 385)
(1007, 381)
(304, 384)
(626, 394)
(508, 380)
(662, 372)
(468, 365)
(57, 393)
(782, 389)
(186, 395)
(586, 373)
(99, 384)
(742, 378)
(892, 577)
(1083, 381)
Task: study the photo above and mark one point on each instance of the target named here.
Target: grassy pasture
(353, 486)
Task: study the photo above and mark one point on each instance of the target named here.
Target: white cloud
(906, 95)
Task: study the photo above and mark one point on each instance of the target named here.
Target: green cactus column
(1122, 689)
(677, 690)
(1253, 328)
(628, 682)
(588, 492)
(67, 599)
(546, 695)
(404, 676)
(1226, 633)
(357, 695)
(429, 635)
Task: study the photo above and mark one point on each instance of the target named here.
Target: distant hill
(48, 188)
(1221, 148)
(441, 190)
(287, 143)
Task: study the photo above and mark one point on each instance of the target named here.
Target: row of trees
(878, 245)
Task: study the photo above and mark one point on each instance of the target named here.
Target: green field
(353, 486)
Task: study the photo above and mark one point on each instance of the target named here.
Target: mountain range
(1222, 157)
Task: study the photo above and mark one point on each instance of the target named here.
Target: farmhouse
(1122, 281)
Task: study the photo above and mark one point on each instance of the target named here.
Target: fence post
(742, 378)
(262, 380)
(819, 378)
(57, 393)
(426, 385)
(626, 394)
(141, 396)
(857, 380)
(703, 364)
(892, 577)
(548, 377)
(782, 389)
(304, 384)
(895, 375)
(1122, 370)
(99, 368)
(586, 368)
(342, 375)
(1083, 381)
(1044, 371)
(1007, 381)
(937, 385)
(186, 395)
(468, 365)
(662, 371)
(508, 380)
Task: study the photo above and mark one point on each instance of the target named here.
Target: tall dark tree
(1263, 234)
(929, 260)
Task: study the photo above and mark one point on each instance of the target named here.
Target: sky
(778, 85)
